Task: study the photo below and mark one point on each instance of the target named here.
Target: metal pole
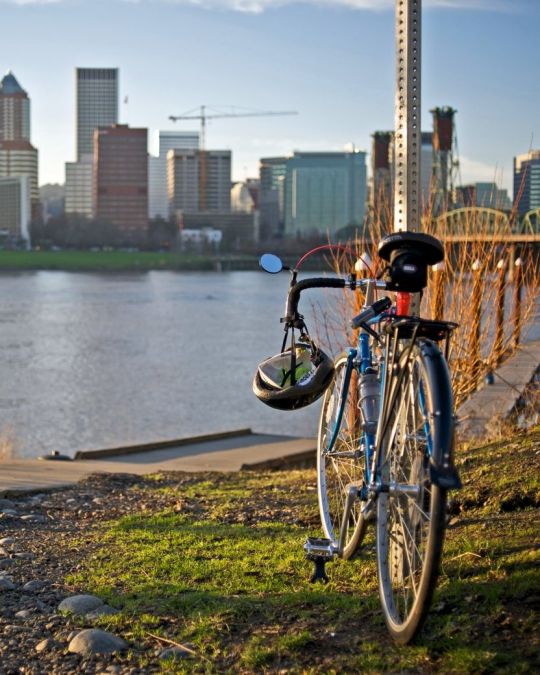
(408, 135)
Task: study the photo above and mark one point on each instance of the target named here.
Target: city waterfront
(95, 360)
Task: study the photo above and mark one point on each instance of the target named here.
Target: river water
(93, 360)
(89, 361)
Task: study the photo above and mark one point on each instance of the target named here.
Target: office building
(381, 197)
(527, 181)
(79, 188)
(96, 105)
(158, 200)
(324, 192)
(18, 157)
(199, 182)
(121, 178)
(14, 110)
(15, 208)
(483, 195)
(272, 172)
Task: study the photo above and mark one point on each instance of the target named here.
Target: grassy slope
(102, 260)
(223, 571)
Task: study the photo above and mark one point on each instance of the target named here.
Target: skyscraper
(158, 200)
(121, 178)
(96, 104)
(18, 157)
(527, 181)
(14, 110)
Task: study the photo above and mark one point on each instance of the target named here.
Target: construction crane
(202, 115)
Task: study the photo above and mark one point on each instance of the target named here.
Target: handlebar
(321, 282)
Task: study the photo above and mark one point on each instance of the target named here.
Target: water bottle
(369, 400)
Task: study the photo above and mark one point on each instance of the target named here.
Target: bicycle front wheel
(411, 513)
(340, 458)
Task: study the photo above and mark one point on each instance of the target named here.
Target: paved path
(248, 451)
(495, 402)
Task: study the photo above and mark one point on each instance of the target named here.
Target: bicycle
(386, 430)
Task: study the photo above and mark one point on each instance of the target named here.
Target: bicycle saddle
(428, 247)
(409, 254)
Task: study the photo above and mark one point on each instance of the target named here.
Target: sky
(333, 61)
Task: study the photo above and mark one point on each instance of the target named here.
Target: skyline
(333, 62)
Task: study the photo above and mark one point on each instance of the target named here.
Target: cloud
(259, 6)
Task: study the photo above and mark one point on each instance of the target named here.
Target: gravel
(37, 553)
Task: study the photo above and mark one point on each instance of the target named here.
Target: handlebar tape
(370, 312)
(294, 291)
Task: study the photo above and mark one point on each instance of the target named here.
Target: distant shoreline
(122, 261)
(135, 261)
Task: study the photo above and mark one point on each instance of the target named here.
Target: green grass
(223, 571)
(114, 261)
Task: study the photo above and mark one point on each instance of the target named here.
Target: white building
(241, 199)
(15, 214)
(158, 201)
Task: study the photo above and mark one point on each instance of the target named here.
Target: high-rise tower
(96, 104)
(14, 110)
(18, 157)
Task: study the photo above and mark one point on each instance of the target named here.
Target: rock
(71, 635)
(23, 614)
(34, 518)
(80, 604)
(33, 586)
(7, 542)
(9, 512)
(95, 641)
(24, 556)
(102, 610)
(46, 645)
(175, 653)
(6, 584)
(6, 562)
(6, 504)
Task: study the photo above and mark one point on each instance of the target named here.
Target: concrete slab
(496, 401)
(228, 454)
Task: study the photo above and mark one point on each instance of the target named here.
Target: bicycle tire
(335, 472)
(410, 528)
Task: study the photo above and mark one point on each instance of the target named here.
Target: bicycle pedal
(319, 551)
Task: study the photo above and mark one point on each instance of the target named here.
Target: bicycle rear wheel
(411, 515)
(341, 464)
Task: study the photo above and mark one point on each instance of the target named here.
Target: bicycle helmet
(288, 382)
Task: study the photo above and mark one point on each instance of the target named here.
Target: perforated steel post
(408, 135)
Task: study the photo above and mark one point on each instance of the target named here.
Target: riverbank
(122, 261)
(214, 562)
